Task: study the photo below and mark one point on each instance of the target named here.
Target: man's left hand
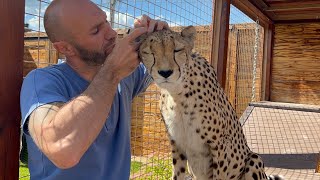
(151, 24)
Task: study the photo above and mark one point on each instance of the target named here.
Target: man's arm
(64, 132)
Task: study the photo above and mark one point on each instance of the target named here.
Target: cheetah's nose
(165, 73)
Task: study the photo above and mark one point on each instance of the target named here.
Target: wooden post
(220, 39)
(11, 51)
(267, 62)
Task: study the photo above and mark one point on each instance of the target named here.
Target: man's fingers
(165, 25)
(136, 33)
(136, 45)
(145, 18)
(160, 25)
(143, 21)
(152, 25)
(137, 23)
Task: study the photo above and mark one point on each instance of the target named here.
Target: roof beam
(314, 7)
(252, 11)
(286, 2)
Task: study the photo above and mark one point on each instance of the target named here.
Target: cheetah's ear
(189, 33)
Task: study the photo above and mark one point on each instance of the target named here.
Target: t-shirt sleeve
(139, 80)
(39, 87)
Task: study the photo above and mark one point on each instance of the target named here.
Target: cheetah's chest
(182, 125)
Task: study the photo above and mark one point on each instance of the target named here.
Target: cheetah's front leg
(219, 160)
(179, 160)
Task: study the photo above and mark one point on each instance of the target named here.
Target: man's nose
(110, 33)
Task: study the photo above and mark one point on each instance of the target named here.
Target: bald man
(76, 115)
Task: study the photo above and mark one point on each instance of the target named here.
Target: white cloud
(33, 6)
(33, 10)
(170, 23)
(35, 20)
(121, 20)
(173, 24)
(34, 24)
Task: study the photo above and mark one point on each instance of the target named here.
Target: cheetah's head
(165, 53)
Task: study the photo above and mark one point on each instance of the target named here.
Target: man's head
(79, 29)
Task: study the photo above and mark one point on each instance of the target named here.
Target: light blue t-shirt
(108, 158)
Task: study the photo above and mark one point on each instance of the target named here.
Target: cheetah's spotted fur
(200, 121)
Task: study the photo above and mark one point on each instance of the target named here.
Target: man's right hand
(123, 59)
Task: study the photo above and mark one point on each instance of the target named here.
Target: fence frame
(11, 50)
(220, 40)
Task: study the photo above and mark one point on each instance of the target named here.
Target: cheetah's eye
(178, 50)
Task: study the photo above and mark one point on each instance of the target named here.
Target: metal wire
(286, 136)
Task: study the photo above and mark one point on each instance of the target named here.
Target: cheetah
(201, 123)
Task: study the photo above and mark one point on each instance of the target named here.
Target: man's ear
(64, 48)
(189, 33)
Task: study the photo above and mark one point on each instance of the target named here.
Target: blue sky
(175, 12)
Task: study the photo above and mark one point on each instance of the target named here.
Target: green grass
(23, 172)
(158, 169)
(135, 166)
(161, 169)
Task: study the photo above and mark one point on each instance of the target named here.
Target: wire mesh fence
(286, 137)
(150, 146)
(244, 65)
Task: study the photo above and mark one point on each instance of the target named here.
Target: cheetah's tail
(275, 177)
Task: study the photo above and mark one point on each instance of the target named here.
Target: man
(76, 115)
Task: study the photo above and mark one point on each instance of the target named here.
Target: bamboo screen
(244, 65)
(150, 147)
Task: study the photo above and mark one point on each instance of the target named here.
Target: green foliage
(24, 172)
(155, 169)
(135, 166)
(160, 169)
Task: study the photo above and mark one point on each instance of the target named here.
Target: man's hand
(151, 24)
(123, 59)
